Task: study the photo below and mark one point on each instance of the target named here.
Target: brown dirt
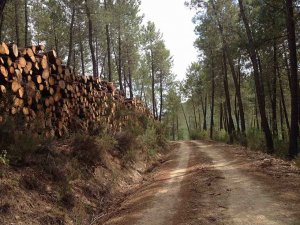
(214, 183)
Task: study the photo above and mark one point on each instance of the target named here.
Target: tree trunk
(281, 121)
(173, 127)
(90, 32)
(71, 37)
(161, 95)
(212, 97)
(17, 22)
(120, 59)
(186, 122)
(129, 76)
(2, 6)
(204, 110)
(1, 25)
(227, 99)
(259, 86)
(194, 111)
(233, 73)
(153, 84)
(108, 47)
(221, 116)
(82, 58)
(26, 23)
(274, 91)
(290, 23)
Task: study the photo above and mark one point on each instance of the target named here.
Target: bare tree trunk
(161, 95)
(2, 6)
(90, 30)
(186, 122)
(221, 116)
(259, 86)
(233, 72)
(17, 22)
(204, 110)
(281, 121)
(108, 46)
(274, 91)
(194, 111)
(1, 25)
(153, 85)
(290, 23)
(26, 23)
(120, 59)
(212, 97)
(71, 37)
(82, 58)
(129, 76)
(227, 98)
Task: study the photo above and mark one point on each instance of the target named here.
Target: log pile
(49, 93)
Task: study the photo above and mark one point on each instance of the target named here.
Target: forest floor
(204, 182)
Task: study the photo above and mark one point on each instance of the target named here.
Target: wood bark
(258, 84)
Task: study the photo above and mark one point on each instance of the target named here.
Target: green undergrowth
(254, 140)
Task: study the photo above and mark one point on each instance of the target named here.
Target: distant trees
(256, 41)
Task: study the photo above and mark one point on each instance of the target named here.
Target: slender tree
(290, 24)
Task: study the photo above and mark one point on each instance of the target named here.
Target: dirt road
(213, 183)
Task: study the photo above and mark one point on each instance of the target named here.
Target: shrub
(89, 150)
(68, 200)
(31, 183)
(199, 134)
(126, 145)
(221, 135)
(25, 144)
(255, 139)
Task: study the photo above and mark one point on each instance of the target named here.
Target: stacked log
(49, 93)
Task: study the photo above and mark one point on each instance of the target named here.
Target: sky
(174, 20)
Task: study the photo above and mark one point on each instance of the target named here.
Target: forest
(244, 88)
(96, 126)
